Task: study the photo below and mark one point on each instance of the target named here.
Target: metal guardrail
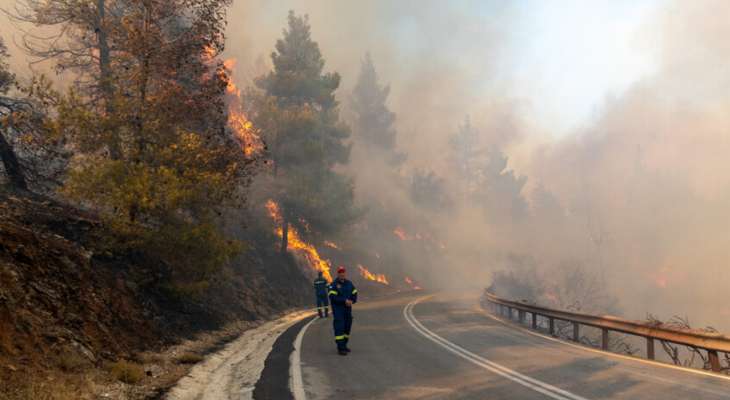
(713, 343)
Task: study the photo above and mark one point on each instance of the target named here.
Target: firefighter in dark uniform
(342, 295)
(320, 290)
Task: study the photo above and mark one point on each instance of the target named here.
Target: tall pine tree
(373, 125)
(298, 115)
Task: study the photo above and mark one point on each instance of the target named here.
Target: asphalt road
(443, 347)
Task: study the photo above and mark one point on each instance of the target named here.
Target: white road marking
(296, 383)
(643, 375)
(653, 363)
(524, 380)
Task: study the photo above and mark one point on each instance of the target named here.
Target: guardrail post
(552, 324)
(534, 321)
(604, 339)
(714, 360)
(650, 348)
(509, 312)
(576, 332)
(521, 316)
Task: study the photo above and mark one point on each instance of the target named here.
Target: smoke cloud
(641, 189)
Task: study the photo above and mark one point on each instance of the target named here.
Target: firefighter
(342, 295)
(320, 290)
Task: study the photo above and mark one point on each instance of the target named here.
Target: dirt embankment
(70, 309)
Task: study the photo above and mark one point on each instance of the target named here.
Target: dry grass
(72, 362)
(189, 358)
(37, 388)
(127, 372)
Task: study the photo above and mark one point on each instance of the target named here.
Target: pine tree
(298, 115)
(500, 190)
(373, 124)
(465, 151)
(546, 206)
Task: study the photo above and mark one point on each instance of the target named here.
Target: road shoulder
(234, 371)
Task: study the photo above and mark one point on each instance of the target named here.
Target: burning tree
(147, 120)
(296, 111)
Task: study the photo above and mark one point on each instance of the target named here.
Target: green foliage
(373, 124)
(162, 211)
(429, 190)
(152, 150)
(501, 189)
(7, 79)
(465, 151)
(296, 110)
(189, 358)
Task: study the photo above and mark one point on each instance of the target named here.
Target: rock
(83, 350)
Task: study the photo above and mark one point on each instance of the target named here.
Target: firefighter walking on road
(320, 290)
(343, 295)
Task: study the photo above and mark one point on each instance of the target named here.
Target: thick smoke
(638, 198)
(652, 173)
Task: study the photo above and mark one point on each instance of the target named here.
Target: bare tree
(673, 350)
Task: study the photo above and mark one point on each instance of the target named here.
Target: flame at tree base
(412, 284)
(380, 278)
(294, 242)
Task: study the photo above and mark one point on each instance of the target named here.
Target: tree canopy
(296, 109)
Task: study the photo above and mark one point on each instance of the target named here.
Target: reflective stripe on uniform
(333, 292)
(341, 337)
(354, 291)
(346, 336)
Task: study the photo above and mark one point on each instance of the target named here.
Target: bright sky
(568, 56)
(564, 57)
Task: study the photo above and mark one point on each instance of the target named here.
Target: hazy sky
(559, 58)
(566, 56)
(631, 94)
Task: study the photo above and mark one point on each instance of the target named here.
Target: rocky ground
(77, 321)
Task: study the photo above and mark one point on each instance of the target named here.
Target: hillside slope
(66, 303)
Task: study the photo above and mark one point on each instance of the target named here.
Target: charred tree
(284, 236)
(12, 166)
(7, 106)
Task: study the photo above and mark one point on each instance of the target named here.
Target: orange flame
(380, 278)
(410, 283)
(295, 243)
(331, 244)
(402, 235)
(251, 142)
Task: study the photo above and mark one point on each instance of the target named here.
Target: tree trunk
(143, 79)
(284, 235)
(105, 78)
(12, 167)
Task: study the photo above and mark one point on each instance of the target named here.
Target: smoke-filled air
(214, 157)
(492, 138)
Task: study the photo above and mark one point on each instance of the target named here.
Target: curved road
(443, 346)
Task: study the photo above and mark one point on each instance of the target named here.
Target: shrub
(189, 358)
(126, 371)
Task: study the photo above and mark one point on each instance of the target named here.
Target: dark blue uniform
(338, 293)
(320, 290)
